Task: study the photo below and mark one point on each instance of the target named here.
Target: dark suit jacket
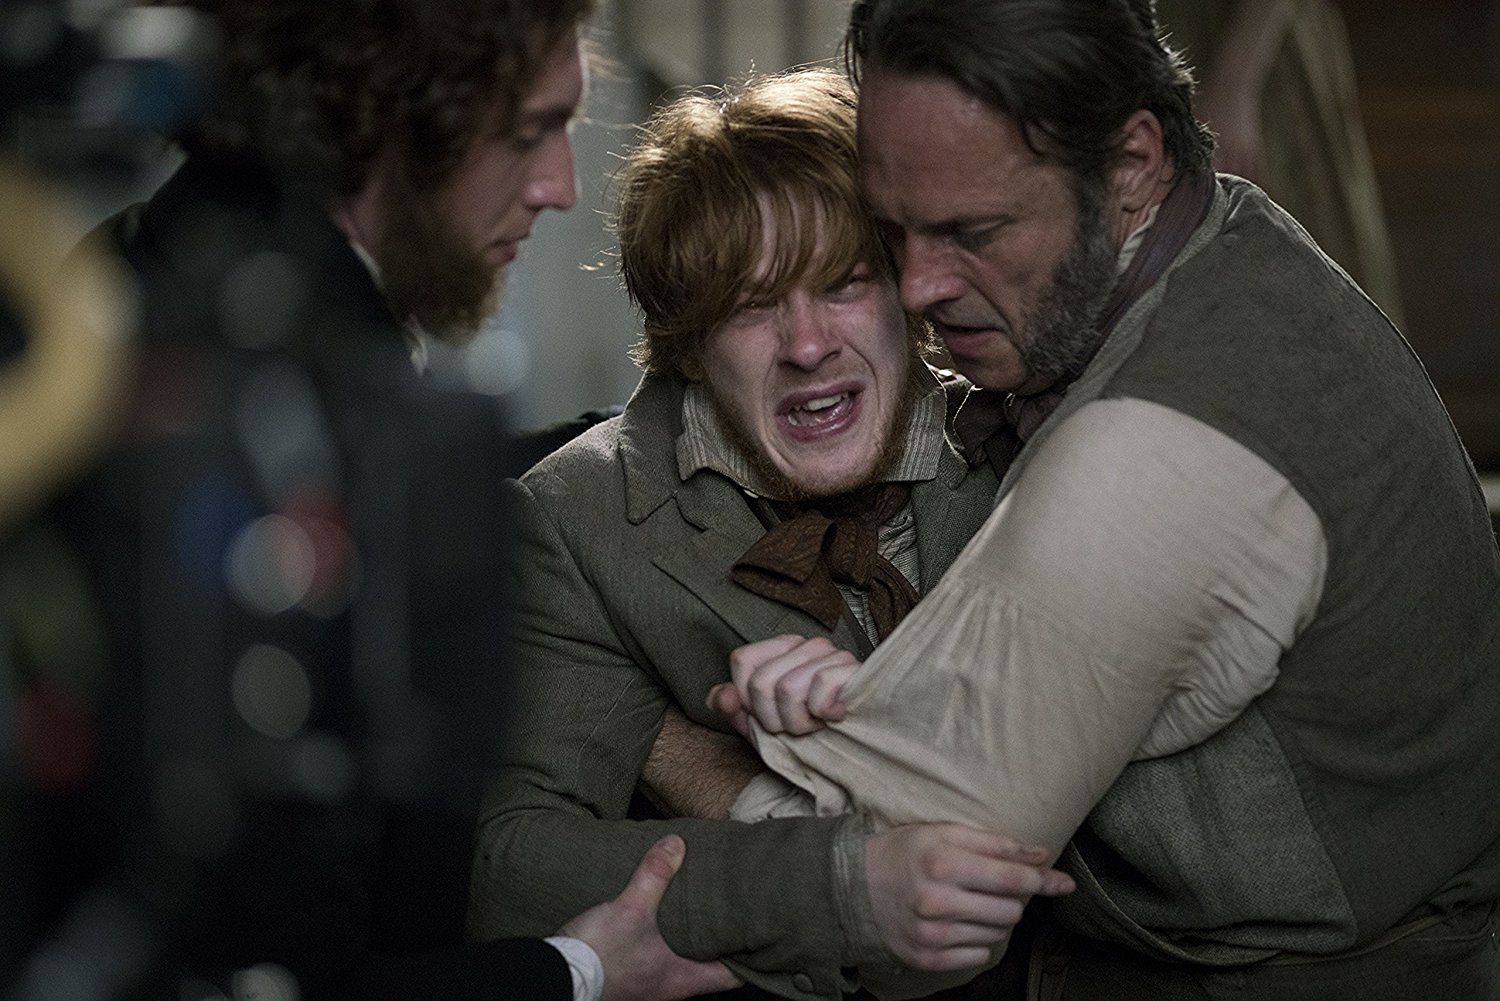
(274, 381)
(628, 607)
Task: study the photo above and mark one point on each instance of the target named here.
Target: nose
(927, 277)
(553, 183)
(808, 339)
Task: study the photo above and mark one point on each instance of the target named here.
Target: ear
(361, 216)
(1142, 166)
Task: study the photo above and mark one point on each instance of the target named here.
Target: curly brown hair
(322, 87)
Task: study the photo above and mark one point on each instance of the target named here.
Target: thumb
(725, 700)
(656, 869)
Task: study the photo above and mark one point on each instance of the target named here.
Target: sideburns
(1064, 324)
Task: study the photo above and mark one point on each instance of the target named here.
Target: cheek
(1008, 288)
(484, 192)
(734, 368)
(1015, 272)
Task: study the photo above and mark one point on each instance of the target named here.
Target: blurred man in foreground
(294, 539)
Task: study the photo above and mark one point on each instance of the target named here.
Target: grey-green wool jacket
(626, 608)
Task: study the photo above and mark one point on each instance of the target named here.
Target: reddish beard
(430, 273)
(780, 486)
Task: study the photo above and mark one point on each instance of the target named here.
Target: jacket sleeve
(509, 969)
(554, 840)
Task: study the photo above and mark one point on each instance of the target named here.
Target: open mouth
(820, 411)
(816, 418)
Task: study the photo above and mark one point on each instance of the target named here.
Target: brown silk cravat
(801, 561)
(995, 425)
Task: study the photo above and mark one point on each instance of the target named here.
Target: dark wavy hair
(1069, 72)
(319, 88)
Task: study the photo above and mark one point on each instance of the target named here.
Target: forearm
(762, 896)
(697, 772)
(1077, 632)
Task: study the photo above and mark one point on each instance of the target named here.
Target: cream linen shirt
(1128, 598)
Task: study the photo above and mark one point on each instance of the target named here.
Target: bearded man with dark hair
(1227, 644)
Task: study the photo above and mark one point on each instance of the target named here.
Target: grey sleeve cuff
(862, 943)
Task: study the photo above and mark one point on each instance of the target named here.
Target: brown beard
(782, 487)
(431, 275)
(1062, 329)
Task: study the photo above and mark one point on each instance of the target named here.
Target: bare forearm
(694, 771)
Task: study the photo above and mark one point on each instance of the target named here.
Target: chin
(825, 485)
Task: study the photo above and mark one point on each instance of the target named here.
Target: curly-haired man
(362, 174)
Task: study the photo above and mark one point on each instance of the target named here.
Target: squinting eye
(970, 240)
(751, 308)
(850, 284)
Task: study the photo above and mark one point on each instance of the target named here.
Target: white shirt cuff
(583, 965)
(768, 795)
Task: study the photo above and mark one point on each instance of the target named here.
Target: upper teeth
(822, 402)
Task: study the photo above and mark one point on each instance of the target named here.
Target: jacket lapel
(949, 509)
(726, 528)
(715, 507)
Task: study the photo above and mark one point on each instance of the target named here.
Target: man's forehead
(560, 84)
(932, 153)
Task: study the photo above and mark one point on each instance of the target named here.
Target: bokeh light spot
(271, 691)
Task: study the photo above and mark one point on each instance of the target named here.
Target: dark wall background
(1429, 81)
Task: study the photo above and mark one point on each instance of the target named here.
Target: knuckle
(939, 867)
(931, 936)
(932, 905)
(761, 685)
(786, 687)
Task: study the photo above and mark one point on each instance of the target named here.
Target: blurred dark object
(296, 550)
(1276, 83)
(88, 89)
(246, 712)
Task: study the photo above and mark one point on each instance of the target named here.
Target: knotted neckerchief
(995, 425)
(817, 546)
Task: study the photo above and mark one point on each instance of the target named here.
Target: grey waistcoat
(1360, 791)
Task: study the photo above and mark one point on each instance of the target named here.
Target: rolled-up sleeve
(1128, 598)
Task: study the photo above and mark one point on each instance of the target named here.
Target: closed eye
(974, 238)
